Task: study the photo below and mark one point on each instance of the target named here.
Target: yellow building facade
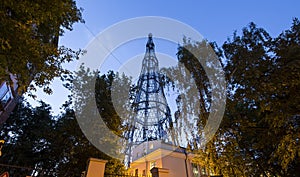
(175, 160)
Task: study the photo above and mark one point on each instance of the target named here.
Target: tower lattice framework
(152, 116)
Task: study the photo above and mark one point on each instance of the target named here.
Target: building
(8, 97)
(176, 161)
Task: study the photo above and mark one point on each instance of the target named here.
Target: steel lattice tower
(152, 117)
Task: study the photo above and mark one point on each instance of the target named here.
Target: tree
(199, 82)
(98, 105)
(99, 121)
(28, 144)
(29, 41)
(263, 109)
(39, 144)
(259, 132)
(74, 149)
(258, 135)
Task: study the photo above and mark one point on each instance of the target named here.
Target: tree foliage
(96, 110)
(259, 134)
(264, 105)
(29, 41)
(40, 144)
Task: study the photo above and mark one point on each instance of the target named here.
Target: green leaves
(29, 41)
(259, 135)
(47, 145)
(263, 74)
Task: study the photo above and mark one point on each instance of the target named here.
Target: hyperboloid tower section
(152, 117)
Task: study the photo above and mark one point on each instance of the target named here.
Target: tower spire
(150, 45)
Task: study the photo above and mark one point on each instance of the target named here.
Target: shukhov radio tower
(152, 118)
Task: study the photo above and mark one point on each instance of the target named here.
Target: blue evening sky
(216, 20)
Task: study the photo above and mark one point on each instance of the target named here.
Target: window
(152, 164)
(136, 172)
(144, 172)
(151, 146)
(5, 94)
